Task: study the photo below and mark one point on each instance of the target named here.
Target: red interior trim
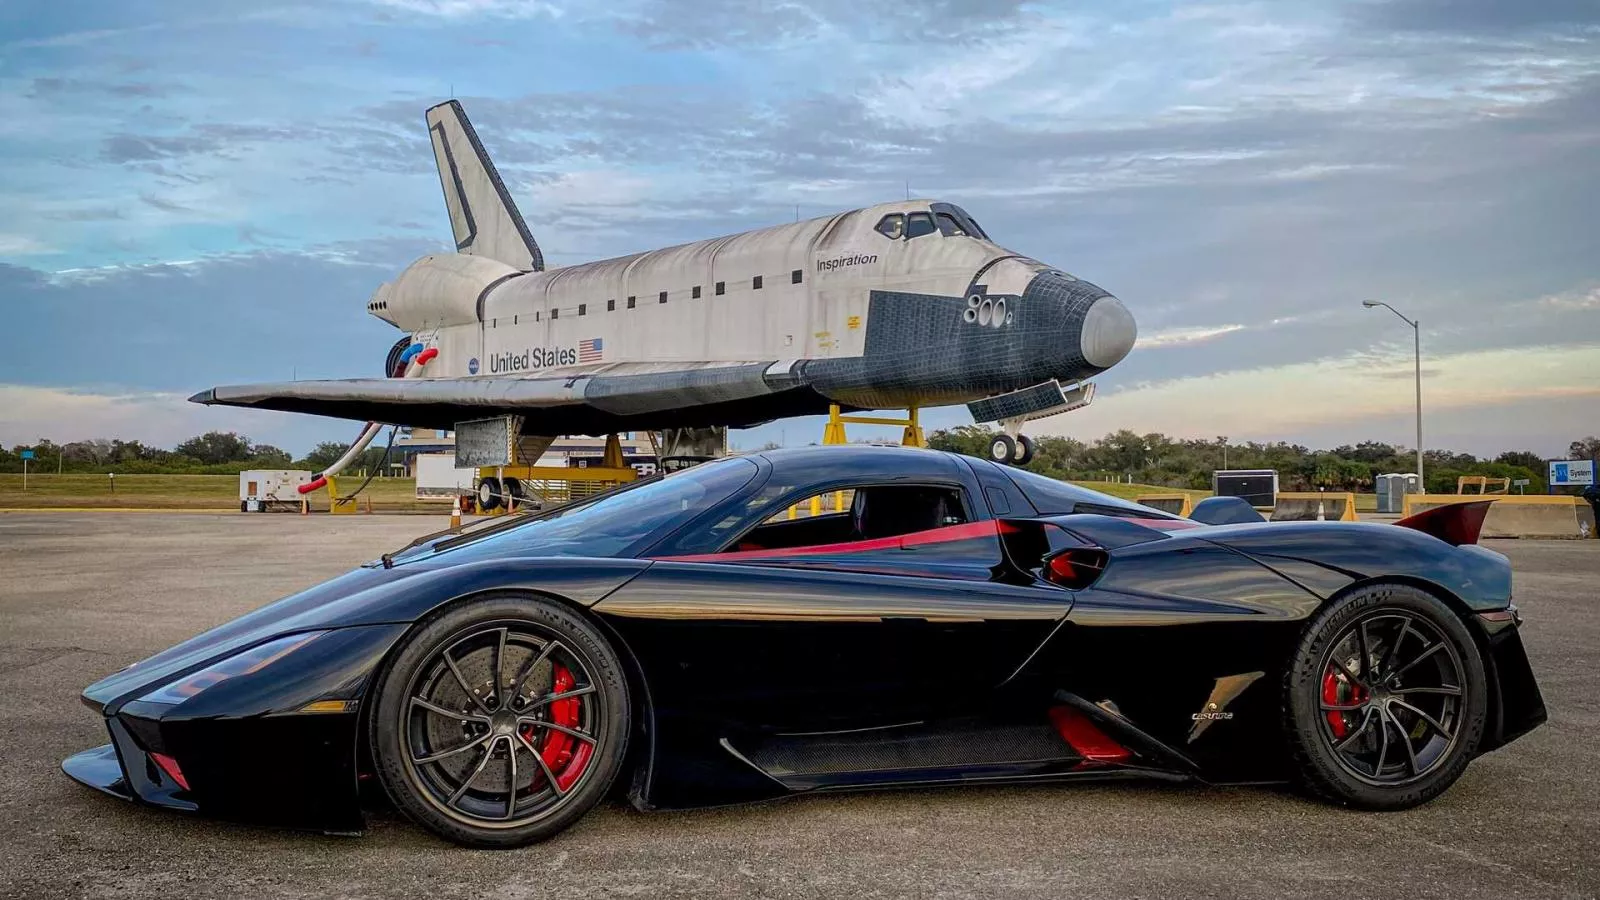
(963, 532)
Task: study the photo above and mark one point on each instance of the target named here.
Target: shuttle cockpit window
(919, 224)
(949, 226)
(892, 226)
(966, 223)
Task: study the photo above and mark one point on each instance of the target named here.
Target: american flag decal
(591, 350)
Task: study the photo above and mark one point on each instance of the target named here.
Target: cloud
(22, 245)
(1363, 396)
(452, 9)
(61, 87)
(1493, 17)
(1187, 335)
(124, 148)
(1577, 299)
(1241, 174)
(29, 413)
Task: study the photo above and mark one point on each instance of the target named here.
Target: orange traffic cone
(455, 512)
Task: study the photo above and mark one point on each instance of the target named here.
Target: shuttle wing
(620, 397)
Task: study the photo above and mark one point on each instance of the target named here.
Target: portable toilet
(1393, 488)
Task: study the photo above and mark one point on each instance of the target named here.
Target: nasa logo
(472, 366)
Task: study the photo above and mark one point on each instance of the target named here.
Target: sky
(204, 194)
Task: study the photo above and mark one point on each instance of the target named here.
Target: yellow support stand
(613, 458)
(833, 432)
(336, 506)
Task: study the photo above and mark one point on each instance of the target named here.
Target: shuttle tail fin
(482, 214)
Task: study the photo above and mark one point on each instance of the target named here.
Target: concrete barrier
(1177, 504)
(1516, 516)
(1302, 506)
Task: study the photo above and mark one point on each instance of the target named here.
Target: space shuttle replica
(900, 305)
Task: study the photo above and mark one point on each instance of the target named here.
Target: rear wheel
(1386, 699)
(501, 722)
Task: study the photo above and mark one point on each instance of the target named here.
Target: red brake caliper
(1331, 688)
(565, 755)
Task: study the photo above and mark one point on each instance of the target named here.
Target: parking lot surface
(86, 594)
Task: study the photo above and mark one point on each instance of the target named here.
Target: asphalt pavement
(85, 594)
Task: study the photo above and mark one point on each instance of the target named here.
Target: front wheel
(1386, 699)
(501, 722)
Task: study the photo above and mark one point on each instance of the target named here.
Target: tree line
(212, 453)
(1188, 462)
(1123, 455)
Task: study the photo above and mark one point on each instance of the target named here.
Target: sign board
(1572, 472)
(27, 454)
(1521, 482)
(486, 442)
(1258, 487)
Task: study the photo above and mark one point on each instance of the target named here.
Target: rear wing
(1453, 523)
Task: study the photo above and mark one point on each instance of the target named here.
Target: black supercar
(833, 618)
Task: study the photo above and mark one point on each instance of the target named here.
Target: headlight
(252, 660)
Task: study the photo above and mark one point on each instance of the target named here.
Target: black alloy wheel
(1387, 698)
(501, 722)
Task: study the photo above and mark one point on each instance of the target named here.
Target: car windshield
(613, 525)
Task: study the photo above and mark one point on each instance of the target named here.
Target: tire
(489, 494)
(515, 490)
(1392, 727)
(449, 773)
(1002, 449)
(1025, 450)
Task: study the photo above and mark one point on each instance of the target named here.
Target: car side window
(845, 514)
(826, 503)
(919, 224)
(892, 226)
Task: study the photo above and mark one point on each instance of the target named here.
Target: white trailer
(439, 479)
(263, 490)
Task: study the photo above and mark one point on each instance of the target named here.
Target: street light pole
(1416, 334)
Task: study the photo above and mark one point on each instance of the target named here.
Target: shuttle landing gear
(1011, 448)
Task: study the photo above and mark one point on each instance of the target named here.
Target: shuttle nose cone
(1108, 332)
